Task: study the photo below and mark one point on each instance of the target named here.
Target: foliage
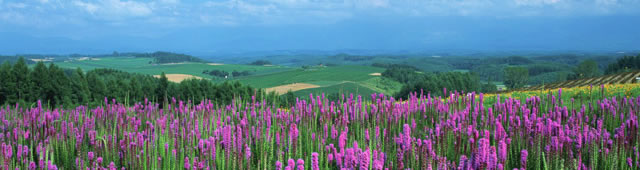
(516, 77)
(161, 57)
(433, 83)
(625, 63)
(260, 62)
(216, 73)
(586, 69)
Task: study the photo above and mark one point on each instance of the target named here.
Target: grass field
(142, 65)
(345, 79)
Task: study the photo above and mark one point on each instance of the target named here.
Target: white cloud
(116, 9)
(239, 12)
(89, 7)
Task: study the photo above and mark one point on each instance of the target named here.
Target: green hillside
(145, 66)
(333, 79)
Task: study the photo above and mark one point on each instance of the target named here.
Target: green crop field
(143, 66)
(323, 76)
(346, 78)
(341, 88)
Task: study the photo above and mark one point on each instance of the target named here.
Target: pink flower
(314, 161)
(90, 156)
(300, 164)
(523, 158)
(186, 163)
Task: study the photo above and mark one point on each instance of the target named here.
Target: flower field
(528, 130)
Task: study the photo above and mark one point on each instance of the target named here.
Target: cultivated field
(178, 77)
(352, 79)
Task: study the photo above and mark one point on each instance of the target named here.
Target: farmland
(361, 79)
(144, 66)
(421, 132)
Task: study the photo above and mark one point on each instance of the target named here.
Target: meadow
(334, 79)
(144, 66)
(531, 131)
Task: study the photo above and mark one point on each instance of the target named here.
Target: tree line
(56, 87)
(626, 63)
(434, 83)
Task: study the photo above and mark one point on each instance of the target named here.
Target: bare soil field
(293, 87)
(178, 77)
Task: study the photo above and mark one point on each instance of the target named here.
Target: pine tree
(59, 91)
(7, 82)
(40, 81)
(135, 89)
(161, 90)
(20, 73)
(96, 86)
(80, 93)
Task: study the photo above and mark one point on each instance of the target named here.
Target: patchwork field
(291, 87)
(145, 66)
(345, 79)
(178, 77)
(280, 79)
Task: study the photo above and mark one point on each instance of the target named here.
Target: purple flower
(314, 161)
(629, 162)
(291, 163)
(32, 165)
(186, 163)
(502, 151)
(523, 158)
(364, 160)
(90, 156)
(278, 165)
(300, 164)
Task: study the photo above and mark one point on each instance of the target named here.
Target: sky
(209, 27)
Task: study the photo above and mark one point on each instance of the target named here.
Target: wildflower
(314, 161)
(523, 158)
(90, 156)
(186, 163)
(300, 164)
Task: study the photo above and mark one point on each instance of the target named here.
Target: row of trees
(434, 82)
(59, 87)
(162, 57)
(625, 63)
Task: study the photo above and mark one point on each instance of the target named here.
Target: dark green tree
(97, 87)
(59, 92)
(516, 77)
(80, 93)
(20, 73)
(586, 69)
(161, 90)
(135, 90)
(7, 82)
(40, 81)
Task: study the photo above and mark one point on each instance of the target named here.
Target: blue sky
(215, 26)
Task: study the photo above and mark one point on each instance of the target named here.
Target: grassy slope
(349, 79)
(141, 65)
